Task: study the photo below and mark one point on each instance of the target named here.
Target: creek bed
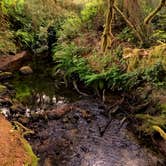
(68, 127)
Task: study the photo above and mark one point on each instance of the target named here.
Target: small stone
(3, 89)
(5, 75)
(26, 70)
(5, 111)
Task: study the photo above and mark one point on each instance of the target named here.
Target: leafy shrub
(160, 35)
(93, 13)
(91, 9)
(70, 27)
(29, 19)
(155, 74)
(68, 58)
(10, 6)
(25, 38)
(127, 35)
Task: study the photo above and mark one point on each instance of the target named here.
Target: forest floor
(75, 125)
(13, 151)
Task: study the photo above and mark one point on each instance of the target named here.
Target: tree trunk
(107, 36)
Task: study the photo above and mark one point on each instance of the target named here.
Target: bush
(127, 35)
(68, 58)
(29, 20)
(70, 27)
(92, 14)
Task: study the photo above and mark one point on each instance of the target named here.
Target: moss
(163, 107)
(141, 58)
(7, 44)
(3, 89)
(149, 121)
(28, 149)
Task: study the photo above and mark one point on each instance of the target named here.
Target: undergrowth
(69, 58)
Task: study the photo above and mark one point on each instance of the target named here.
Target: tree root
(22, 129)
(76, 88)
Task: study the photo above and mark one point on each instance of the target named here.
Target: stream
(67, 127)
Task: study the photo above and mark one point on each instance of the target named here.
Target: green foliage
(91, 9)
(149, 121)
(7, 44)
(68, 58)
(155, 74)
(70, 27)
(104, 80)
(28, 21)
(10, 6)
(160, 35)
(93, 13)
(26, 38)
(127, 35)
(22, 92)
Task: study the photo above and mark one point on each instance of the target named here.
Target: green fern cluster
(69, 58)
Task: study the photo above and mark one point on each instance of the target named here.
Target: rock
(5, 111)
(59, 111)
(11, 63)
(26, 70)
(3, 89)
(5, 75)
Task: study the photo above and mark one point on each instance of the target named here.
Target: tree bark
(149, 18)
(107, 36)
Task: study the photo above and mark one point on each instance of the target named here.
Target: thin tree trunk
(107, 36)
(129, 23)
(149, 18)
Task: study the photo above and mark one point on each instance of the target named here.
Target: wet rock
(5, 75)
(5, 111)
(10, 63)
(3, 89)
(59, 111)
(26, 70)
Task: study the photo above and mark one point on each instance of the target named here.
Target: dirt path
(13, 151)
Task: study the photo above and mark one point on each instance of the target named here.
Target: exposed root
(22, 129)
(76, 88)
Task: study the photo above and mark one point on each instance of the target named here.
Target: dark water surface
(74, 138)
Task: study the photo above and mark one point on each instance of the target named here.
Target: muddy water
(68, 128)
(75, 140)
